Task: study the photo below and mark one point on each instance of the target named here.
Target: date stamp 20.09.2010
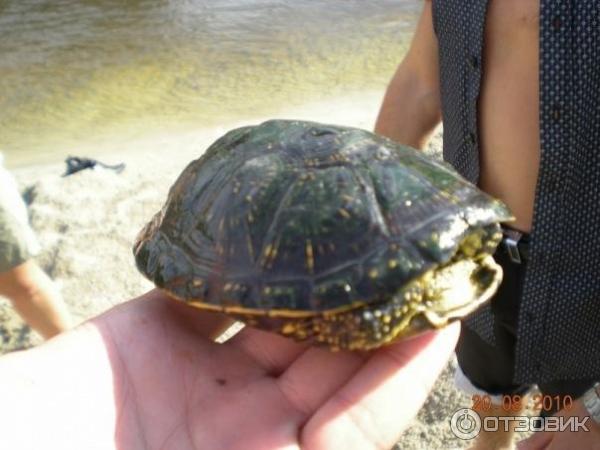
(534, 403)
(521, 413)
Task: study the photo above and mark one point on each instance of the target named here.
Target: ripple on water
(73, 70)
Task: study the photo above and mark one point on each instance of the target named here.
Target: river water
(74, 71)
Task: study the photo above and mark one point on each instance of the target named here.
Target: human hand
(178, 389)
(148, 375)
(566, 440)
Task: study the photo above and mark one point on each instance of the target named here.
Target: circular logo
(465, 424)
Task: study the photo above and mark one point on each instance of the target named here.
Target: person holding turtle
(22, 281)
(516, 84)
(149, 373)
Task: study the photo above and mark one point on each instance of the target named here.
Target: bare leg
(501, 439)
(36, 299)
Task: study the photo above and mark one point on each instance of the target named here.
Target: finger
(272, 352)
(205, 324)
(315, 375)
(208, 324)
(375, 405)
(539, 441)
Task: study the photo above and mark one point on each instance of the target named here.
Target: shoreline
(358, 109)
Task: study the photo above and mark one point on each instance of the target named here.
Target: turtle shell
(291, 216)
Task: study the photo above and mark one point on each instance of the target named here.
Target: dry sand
(87, 222)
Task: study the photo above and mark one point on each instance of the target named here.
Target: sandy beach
(87, 223)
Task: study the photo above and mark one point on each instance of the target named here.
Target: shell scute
(303, 217)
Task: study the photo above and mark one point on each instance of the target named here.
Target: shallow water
(74, 71)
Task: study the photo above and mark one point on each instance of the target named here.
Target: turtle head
(455, 290)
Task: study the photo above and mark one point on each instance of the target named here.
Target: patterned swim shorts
(18, 243)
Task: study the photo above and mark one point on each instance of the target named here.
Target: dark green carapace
(324, 233)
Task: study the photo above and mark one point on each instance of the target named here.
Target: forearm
(411, 107)
(410, 110)
(59, 395)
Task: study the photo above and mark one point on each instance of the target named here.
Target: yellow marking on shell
(269, 255)
(373, 273)
(273, 256)
(310, 259)
(392, 263)
(347, 198)
(250, 247)
(301, 335)
(197, 282)
(288, 328)
(250, 217)
(394, 320)
(268, 250)
(471, 244)
(344, 213)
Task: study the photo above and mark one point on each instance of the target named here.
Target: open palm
(176, 388)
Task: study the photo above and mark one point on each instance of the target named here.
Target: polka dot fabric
(459, 26)
(559, 320)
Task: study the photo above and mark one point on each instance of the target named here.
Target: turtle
(324, 233)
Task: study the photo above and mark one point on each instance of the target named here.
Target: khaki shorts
(18, 243)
